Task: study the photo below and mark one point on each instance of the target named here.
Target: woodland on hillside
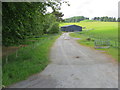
(81, 18)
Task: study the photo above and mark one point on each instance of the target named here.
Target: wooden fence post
(6, 59)
(16, 53)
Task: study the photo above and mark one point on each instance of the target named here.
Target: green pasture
(100, 30)
(90, 21)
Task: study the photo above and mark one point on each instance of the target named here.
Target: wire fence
(22, 50)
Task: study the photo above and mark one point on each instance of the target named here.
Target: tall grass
(31, 59)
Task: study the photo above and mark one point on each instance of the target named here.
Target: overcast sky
(90, 8)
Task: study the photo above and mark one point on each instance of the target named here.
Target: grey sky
(91, 8)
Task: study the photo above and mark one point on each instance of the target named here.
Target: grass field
(98, 30)
(30, 60)
(102, 29)
(90, 21)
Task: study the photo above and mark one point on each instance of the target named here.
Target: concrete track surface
(74, 66)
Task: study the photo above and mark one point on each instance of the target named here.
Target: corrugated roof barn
(71, 28)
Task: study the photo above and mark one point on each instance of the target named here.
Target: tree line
(22, 20)
(103, 19)
(76, 19)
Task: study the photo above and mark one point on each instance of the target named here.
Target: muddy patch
(77, 57)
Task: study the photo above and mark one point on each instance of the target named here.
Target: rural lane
(74, 66)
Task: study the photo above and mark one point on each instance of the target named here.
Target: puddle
(76, 38)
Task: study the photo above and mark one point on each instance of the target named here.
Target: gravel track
(74, 66)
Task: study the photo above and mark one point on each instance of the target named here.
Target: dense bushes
(24, 19)
(54, 28)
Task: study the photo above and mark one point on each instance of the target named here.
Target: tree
(76, 19)
(48, 21)
(24, 19)
(118, 19)
(105, 19)
(58, 15)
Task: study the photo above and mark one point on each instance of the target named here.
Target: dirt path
(74, 66)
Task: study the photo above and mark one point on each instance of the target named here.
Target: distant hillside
(95, 19)
(76, 19)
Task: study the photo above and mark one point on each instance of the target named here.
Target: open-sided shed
(71, 28)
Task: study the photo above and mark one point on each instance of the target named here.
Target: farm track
(74, 66)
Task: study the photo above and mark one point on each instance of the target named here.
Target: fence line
(23, 48)
(112, 42)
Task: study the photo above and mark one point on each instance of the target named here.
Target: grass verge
(90, 43)
(30, 60)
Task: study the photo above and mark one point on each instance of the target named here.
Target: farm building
(71, 28)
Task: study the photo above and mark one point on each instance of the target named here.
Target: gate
(101, 43)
